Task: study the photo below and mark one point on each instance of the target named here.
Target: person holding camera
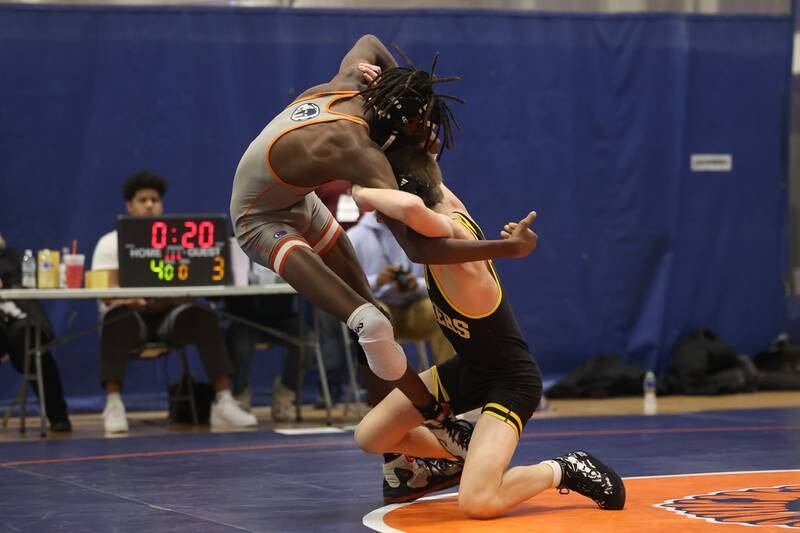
(398, 284)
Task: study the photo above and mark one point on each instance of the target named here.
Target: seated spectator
(128, 323)
(15, 319)
(398, 284)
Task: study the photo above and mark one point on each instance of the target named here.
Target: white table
(156, 292)
(205, 291)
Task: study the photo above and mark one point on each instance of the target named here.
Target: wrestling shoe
(586, 475)
(453, 433)
(406, 478)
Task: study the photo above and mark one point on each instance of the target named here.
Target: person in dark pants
(15, 320)
(278, 313)
(127, 324)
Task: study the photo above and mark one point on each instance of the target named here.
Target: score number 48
(167, 271)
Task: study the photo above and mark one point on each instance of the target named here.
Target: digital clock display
(173, 250)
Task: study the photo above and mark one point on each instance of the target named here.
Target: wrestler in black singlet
(493, 368)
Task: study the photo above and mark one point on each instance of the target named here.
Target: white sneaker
(245, 399)
(227, 413)
(114, 418)
(283, 398)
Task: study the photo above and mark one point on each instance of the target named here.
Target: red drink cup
(74, 264)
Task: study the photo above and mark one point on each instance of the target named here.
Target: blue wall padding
(588, 119)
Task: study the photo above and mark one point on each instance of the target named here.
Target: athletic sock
(556, 472)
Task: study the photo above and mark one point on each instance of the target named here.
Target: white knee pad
(376, 335)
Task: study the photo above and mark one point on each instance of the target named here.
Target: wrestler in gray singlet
(271, 217)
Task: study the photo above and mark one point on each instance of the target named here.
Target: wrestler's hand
(369, 72)
(358, 198)
(521, 235)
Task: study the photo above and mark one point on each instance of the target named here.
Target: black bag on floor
(779, 365)
(180, 410)
(703, 364)
(603, 376)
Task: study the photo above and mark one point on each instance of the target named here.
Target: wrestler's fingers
(528, 220)
(369, 66)
(369, 72)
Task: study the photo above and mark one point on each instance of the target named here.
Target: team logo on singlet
(459, 327)
(767, 506)
(305, 111)
(280, 233)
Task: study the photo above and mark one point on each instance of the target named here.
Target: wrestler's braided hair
(393, 94)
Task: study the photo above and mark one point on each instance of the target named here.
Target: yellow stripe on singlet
(458, 217)
(438, 387)
(463, 220)
(505, 414)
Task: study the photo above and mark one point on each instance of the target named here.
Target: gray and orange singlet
(271, 217)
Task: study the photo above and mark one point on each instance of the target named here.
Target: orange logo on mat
(770, 506)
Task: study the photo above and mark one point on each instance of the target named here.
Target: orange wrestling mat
(760, 501)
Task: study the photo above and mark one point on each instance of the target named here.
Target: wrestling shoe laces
(453, 434)
(586, 475)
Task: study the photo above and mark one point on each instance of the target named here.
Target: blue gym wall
(588, 119)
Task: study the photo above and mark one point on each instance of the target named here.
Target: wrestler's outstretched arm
(404, 207)
(446, 251)
(405, 213)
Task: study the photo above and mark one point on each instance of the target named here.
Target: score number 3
(218, 268)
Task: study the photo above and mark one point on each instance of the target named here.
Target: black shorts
(510, 392)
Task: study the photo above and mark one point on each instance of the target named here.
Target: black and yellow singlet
(485, 340)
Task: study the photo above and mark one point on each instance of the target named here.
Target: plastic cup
(74, 264)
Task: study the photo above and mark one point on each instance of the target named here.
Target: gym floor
(701, 464)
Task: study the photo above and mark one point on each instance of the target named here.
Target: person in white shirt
(129, 323)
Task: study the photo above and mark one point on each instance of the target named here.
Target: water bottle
(649, 388)
(28, 270)
(62, 269)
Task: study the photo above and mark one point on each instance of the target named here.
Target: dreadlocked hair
(400, 85)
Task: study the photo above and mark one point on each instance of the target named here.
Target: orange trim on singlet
(333, 241)
(320, 95)
(281, 243)
(291, 249)
(338, 116)
(345, 116)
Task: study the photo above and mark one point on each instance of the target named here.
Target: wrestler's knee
(366, 438)
(376, 336)
(478, 502)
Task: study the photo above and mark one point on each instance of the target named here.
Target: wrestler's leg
(342, 259)
(393, 426)
(487, 488)
(310, 276)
